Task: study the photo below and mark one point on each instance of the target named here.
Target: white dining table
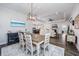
(38, 39)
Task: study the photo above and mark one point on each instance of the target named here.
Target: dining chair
(21, 40)
(29, 46)
(46, 43)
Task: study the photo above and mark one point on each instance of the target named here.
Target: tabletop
(38, 38)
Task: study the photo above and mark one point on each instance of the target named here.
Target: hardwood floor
(57, 42)
(70, 49)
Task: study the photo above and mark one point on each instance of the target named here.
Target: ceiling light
(30, 15)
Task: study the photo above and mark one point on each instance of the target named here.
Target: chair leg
(23, 48)
(26, 51)
(20, 46)
(48, 51)
(31, 53)
(44, 51)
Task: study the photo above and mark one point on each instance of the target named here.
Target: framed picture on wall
(70, 19)
(76, 22)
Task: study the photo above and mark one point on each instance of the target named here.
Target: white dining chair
(29, 46)
(46, 43)
(21, 40)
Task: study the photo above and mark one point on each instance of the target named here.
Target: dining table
(38, 39)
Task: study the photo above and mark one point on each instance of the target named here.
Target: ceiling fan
(30, 15)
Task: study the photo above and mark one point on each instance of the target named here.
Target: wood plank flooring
(70, 49)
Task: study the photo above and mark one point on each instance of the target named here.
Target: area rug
(14, 50)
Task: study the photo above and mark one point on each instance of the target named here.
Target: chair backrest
(21, 38)
(28, 39)
(47, 38)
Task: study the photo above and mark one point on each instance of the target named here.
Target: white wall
(6, 15)
(74, 14)
(75, 11)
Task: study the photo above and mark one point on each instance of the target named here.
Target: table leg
(38, 49)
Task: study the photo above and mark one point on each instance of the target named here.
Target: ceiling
(47, 10)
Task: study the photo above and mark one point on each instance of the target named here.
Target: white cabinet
(71, 38)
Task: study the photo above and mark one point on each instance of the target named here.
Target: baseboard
(2, 43)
